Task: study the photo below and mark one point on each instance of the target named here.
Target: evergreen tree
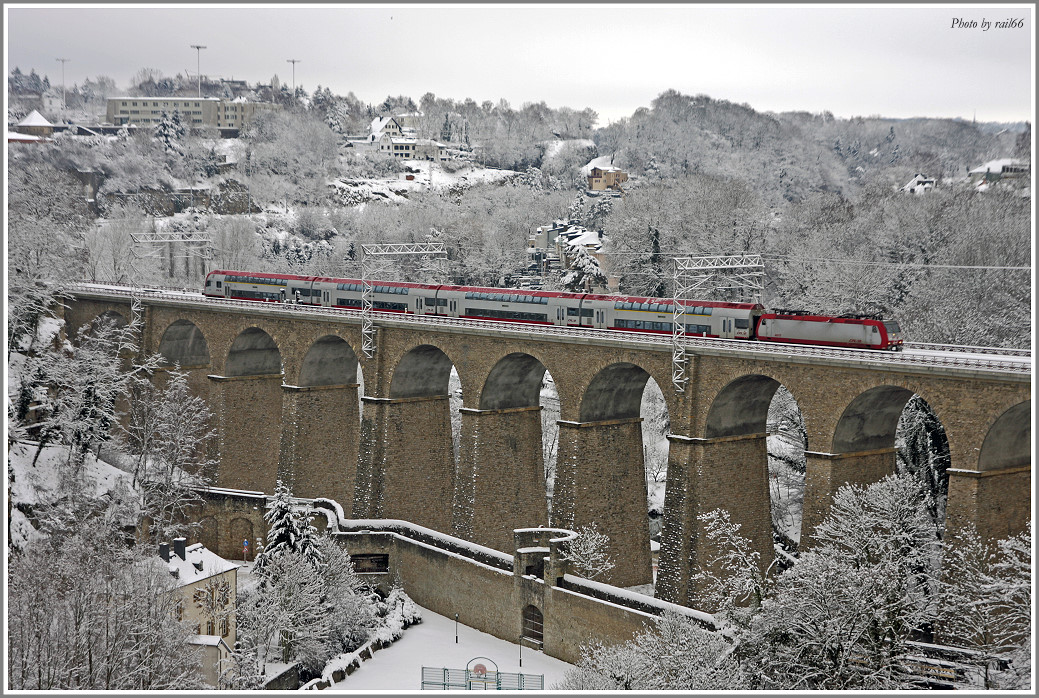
(289, 531)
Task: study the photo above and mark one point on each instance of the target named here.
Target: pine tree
(289, 531)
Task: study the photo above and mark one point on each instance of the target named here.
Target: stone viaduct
(283, 384)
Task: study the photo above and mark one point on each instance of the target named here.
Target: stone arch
(741, 407)
(422, 372)
(1008, 441)
(515, 381)
(113, 318)
(869, 422)
(329, 361)
(241, 530)
(253, 353)
(185, 344)
(614, 393)
(209, 533)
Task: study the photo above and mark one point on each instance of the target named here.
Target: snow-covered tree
(674, 655)
(87, 613)
(841, 617)
(289, 531)
(730, 578)
(584, 273)
(986, 601)
(169, 430)
(588, 553)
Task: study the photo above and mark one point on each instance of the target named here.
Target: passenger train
(725, 320)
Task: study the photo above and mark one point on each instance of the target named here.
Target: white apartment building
(195, 112)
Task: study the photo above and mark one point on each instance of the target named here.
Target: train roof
(262, 274)
(513, 291)
(810, 317)
(669, 301)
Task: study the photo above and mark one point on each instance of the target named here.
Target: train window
(742, 323)
(875, 330)
(586, 312)
(572, 312)
(891, 326)
(431, 301)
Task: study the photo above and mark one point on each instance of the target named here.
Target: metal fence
(442, 679)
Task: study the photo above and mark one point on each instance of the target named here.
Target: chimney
(198, 565)
(179, 544)
(164, 551)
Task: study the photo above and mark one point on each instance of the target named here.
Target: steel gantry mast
(743, 276)
(434, 250)
(195, 245)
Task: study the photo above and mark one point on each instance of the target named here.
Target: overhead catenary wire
(829, 260)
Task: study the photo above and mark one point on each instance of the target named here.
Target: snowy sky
(851, 60)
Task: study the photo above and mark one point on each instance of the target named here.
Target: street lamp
(198, 62)
(456, 628)
(63, 62)
(293, 61)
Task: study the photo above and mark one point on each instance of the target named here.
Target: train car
(260, 286)
(387, 296)
(725, 320)
(858, 332)
(506, 305)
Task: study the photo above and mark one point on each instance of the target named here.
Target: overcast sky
(614, 58)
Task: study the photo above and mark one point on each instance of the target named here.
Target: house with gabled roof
(207, 589)
(35, 125)
(384, 126)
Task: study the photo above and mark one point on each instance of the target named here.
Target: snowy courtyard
(431, 643)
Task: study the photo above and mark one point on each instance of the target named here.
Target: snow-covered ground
(431, 643)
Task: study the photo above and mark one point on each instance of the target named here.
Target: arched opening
(183, 343)
(533, 624)
(253, 353)
(787, 441)
(244, 545)
(108, 320)
(329, 361)
(208, 533)
(922, 451)
(614, 393)
(869, 422)
(1008, 442)
(423, 372)
(741, 407)
(656, 425)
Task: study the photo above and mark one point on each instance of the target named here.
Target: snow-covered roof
(209, 640)
(34, 119)
(24, 137)
(587, 238)
(198, 563)
(996, 166)
(380, 122)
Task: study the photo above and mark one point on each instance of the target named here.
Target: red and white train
(749, 321)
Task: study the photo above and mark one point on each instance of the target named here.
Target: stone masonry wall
(729, 473)
(600, 480)
(501, 479)
(320, 433)
(249, 410)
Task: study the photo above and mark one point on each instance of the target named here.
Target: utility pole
(63, 62)
(198, 63)
(293, 61)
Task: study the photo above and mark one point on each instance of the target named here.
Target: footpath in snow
(431, 643)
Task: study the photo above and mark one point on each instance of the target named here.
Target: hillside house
(35, 125)
(1004, 168)
(919, 184)
(384, 126)
(606, 178)
(412, 148)
(207, 586)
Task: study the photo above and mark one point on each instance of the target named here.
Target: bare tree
(588, 552)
